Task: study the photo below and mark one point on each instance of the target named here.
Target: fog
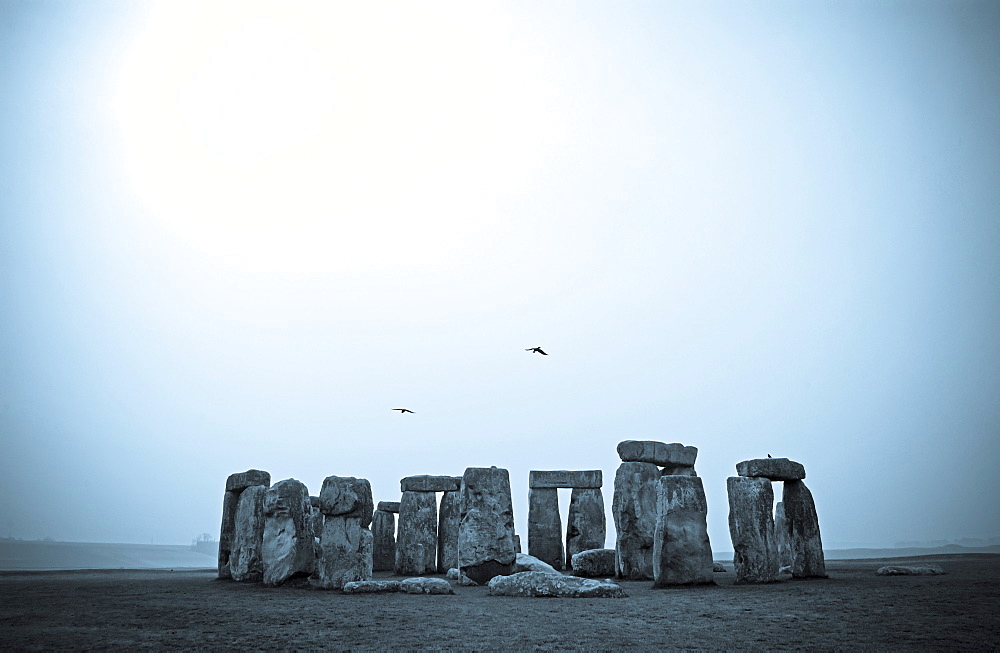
(237, 236)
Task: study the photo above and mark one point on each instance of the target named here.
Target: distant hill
(25, 555)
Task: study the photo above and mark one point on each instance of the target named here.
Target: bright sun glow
(323, 136)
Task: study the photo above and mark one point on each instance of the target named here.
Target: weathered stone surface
(545, 526)
(682, 553)
(919, 570)
(634, 509)
(345, 552)
(426, 483)
(416, 538)
(782, 536)
(590, 478)
(776, 469)
(425, 586)
(486, 534)
(449, 518)
(371, 586)
(586, 524)
(535, 583)
(658, 453)
(229, 502)
(594, 563)
(243, 480)
(245, 562)
(459, 578)
(517, 543)
(317, 522)
(314, 501)
(803, 531)
(751, 527)
(288, 547)
(678, 470)
(388, 506)
(718, 567)
(346, 496)
(383, 541)
(525, 562)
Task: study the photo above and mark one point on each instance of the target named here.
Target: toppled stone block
(545, 526)
(346, 496)
(658, 453)
(634, 509)
(525, 562)
(425, 586)
(288, 548)
(901, 570)
(751, 526)
(682, 553)
(416, 537)
(775, 469)
(243, 480)
(534, 583)
(594, 563)
(586, 523)
(371, 586)
(388, 506)
(426, 483)
(591, 478)
(245, 561)
(486, 533)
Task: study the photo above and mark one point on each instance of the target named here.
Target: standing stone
(235, 484)
(288, 546)
(586, 525)
(346, 543)
(782, 538)
(383, 541)
(486, 534)
(449, 517)
(751, 526)
(245, 562)
(545, 526)
(634, 509)
(416, 542)
(682, 553)
(803, 529)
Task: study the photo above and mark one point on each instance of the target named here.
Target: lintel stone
(427, 483)
(591, 478)
(243, 480)
(388, 506)
(658, 453)
(775, 469)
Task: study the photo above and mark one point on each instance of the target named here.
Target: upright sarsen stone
(586, 525)
(782, 537)
(449, 518)
(384, 541)
(245, 561)
(235, 484)
(346, 544)
(751, 526)
(803, 530)
(288, 547)
(682, 553)
(634, 509)
(416, 540)
(545, 526)
(486, 534)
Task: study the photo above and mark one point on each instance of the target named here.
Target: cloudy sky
(237, 235)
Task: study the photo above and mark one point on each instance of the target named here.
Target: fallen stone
(383, 541)
(416, 537)
(718, 567)
(288, 547)
(586, 523)
(751, 527)
(900, 570)
(371, 586)
(591, 478)
(775, 469)
(425, 586)
(594, 563)
(346, 496)
(634, 510)
(243, 480)
(425, 483)
(682, 553)
(388, 506)
(525, 562)
(486, 533)
(545, 526)
(245, 562)
(449, 518)
(459, 578)
(803, 531)
(658, 453)
(534, 583)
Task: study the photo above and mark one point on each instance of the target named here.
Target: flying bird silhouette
(403, 410)
(536, 350)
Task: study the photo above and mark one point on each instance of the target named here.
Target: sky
(237, 235)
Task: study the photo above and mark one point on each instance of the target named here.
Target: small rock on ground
(421, 585)
(900, 570)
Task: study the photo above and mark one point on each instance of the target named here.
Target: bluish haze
(235, 236)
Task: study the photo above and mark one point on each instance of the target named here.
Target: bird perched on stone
(768, 455)
(536, 350)
(403, 410)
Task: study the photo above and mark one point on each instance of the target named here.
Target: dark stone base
(484, 571)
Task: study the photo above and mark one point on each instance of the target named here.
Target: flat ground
(853, 609)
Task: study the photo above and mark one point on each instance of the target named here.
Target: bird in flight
(403, 410)
(536, 350)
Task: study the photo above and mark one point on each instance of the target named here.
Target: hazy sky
(237, 235)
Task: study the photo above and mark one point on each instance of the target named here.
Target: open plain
(852, 609)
